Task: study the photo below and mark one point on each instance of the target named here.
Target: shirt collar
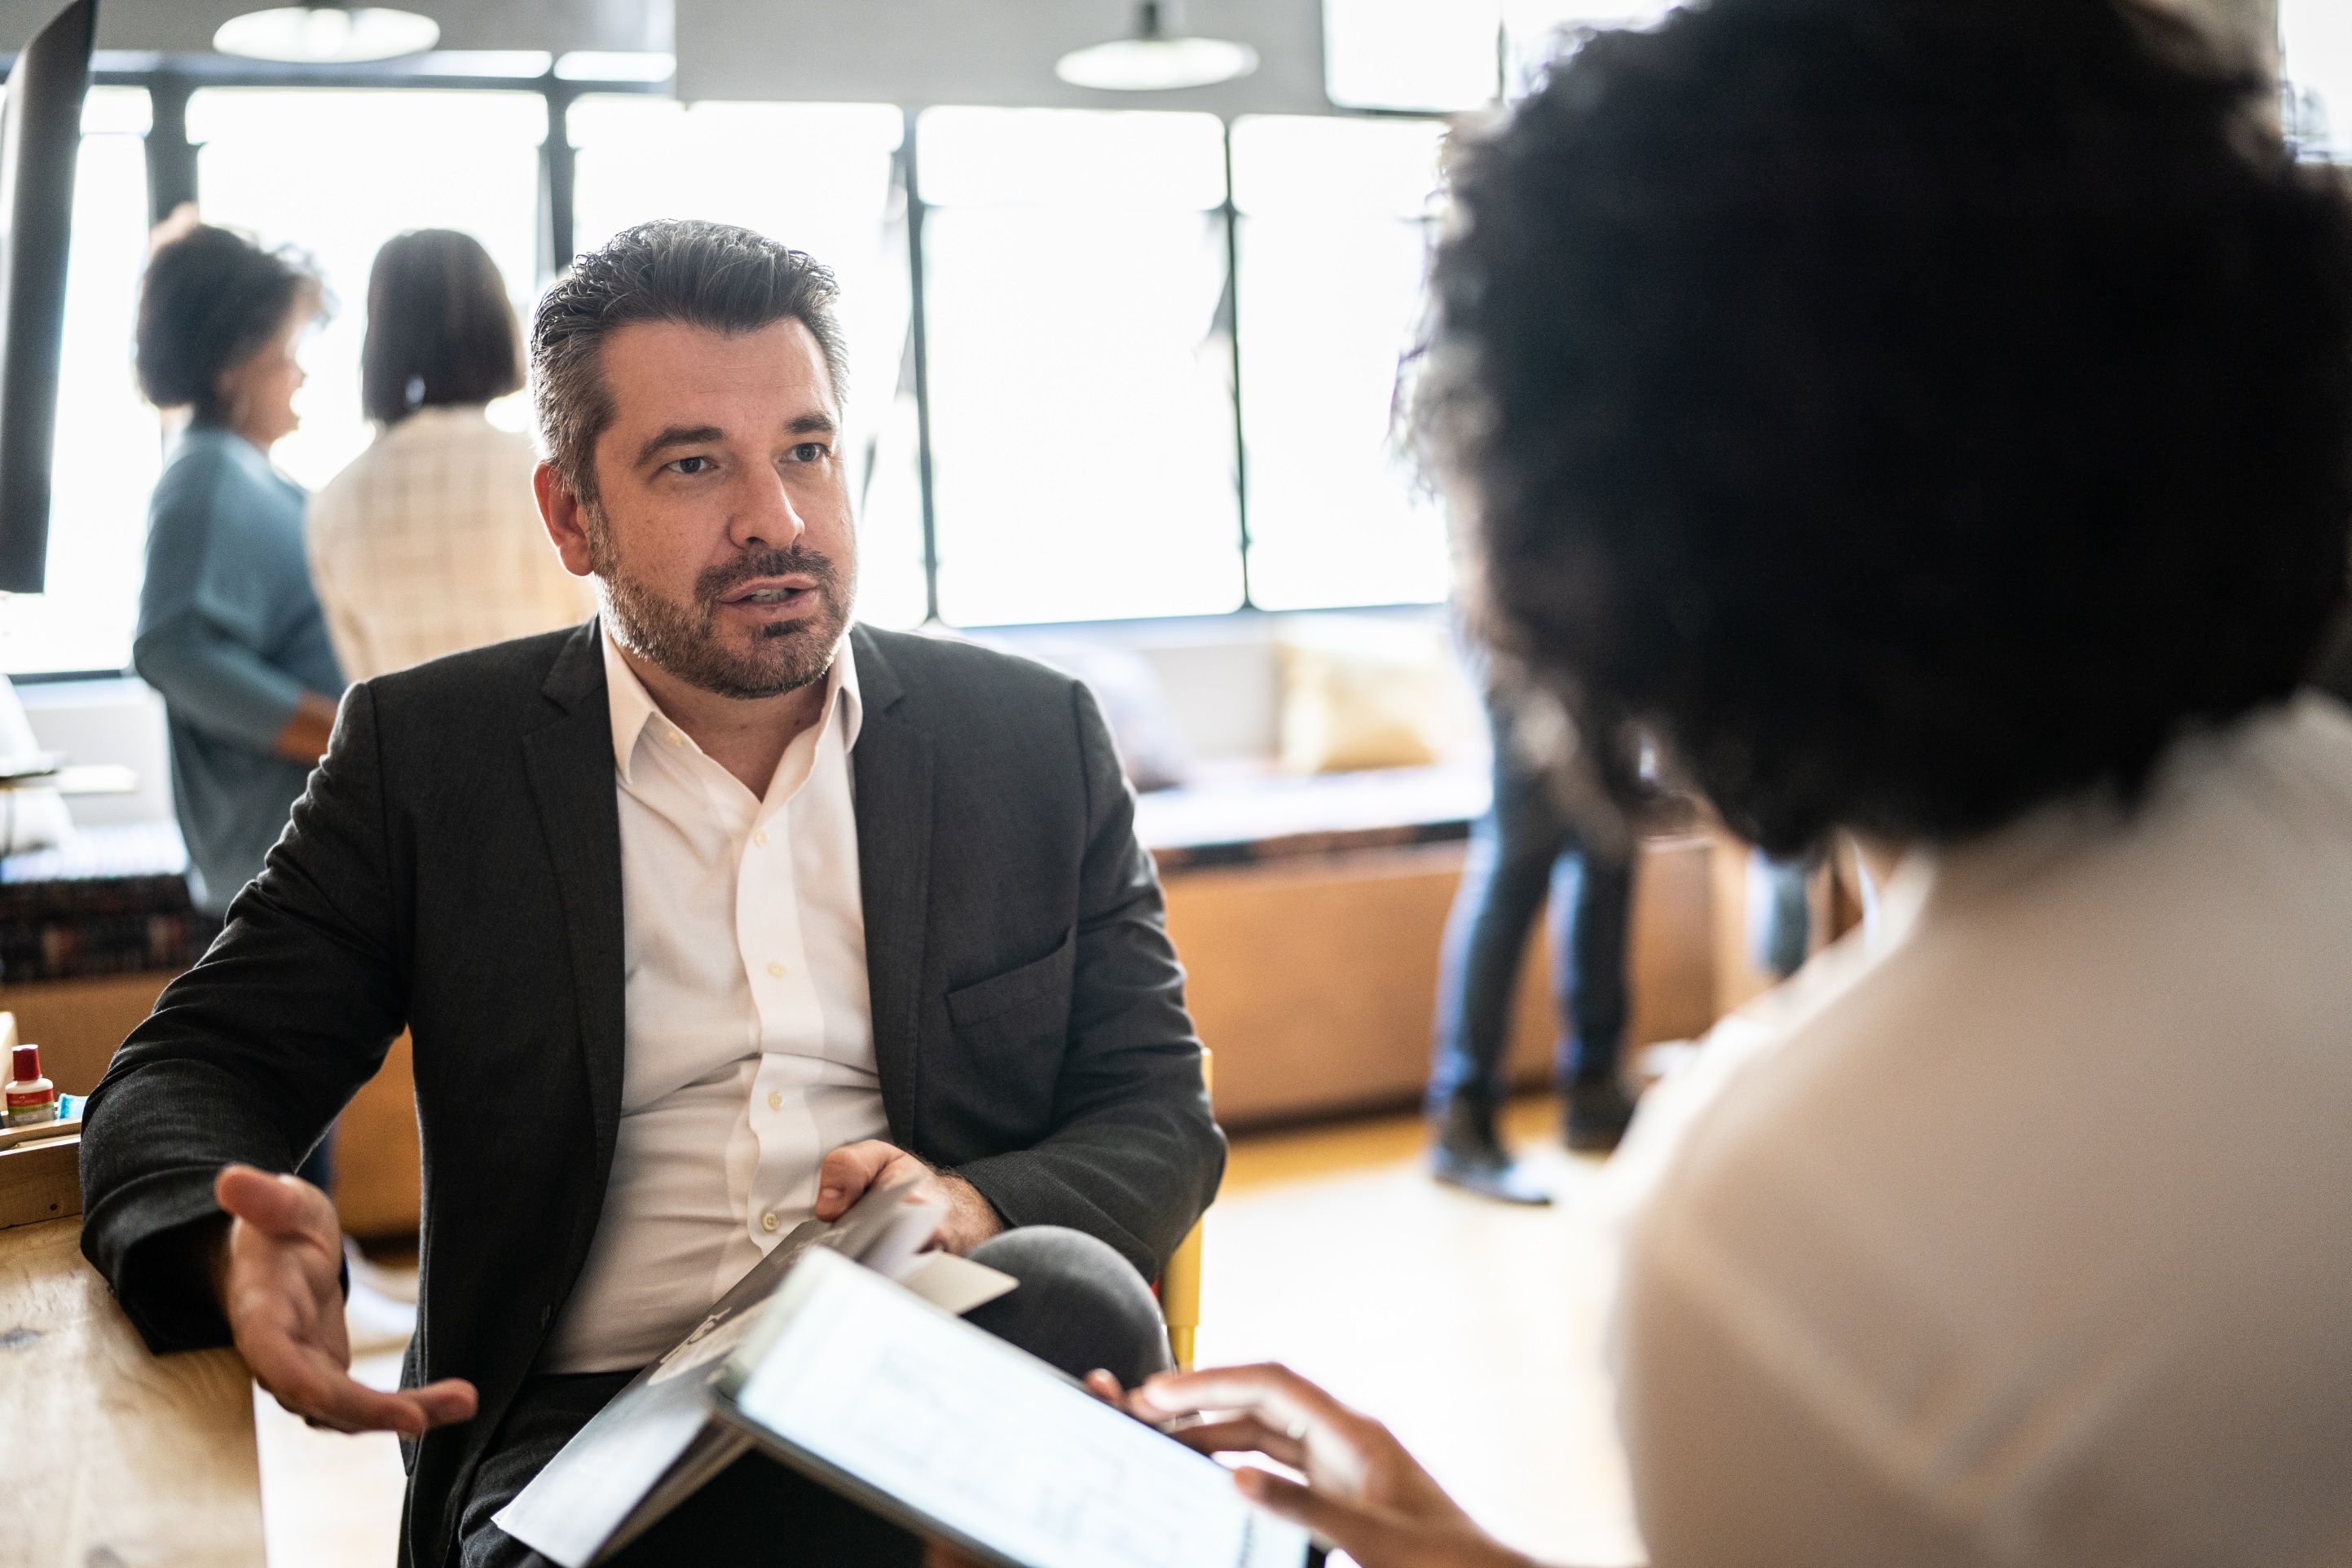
(632, 707)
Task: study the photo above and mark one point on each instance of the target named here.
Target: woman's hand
(1364, 1493)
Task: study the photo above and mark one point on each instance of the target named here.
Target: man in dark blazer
(476, 861)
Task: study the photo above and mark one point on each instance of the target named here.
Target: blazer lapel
(570, 761)
(892, 766)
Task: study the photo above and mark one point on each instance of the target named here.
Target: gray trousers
(1080, 1305)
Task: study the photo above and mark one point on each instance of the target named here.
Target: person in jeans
(1527, 846)
(1931, 421)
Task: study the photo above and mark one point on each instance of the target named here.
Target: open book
(962, 1437)
(657, 1442)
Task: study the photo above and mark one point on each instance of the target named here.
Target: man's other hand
(277, 1272)
(850, 1172)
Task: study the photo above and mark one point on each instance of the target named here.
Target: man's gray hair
(710, 275)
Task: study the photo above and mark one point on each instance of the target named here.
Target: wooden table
(117, 1458)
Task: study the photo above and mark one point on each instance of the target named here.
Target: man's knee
(1080, 1305)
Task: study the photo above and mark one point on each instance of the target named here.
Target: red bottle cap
(24, 1062)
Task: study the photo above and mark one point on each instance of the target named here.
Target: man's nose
(767, 518)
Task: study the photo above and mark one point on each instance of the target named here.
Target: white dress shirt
(429, 542)
(2021, 1236)
(749, 1034)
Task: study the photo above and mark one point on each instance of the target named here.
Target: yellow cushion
(1364, 693)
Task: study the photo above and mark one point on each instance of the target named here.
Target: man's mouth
(770, 591)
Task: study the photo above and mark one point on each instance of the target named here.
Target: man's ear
(566, 519)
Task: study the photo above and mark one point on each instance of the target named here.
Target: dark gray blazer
(454, 869)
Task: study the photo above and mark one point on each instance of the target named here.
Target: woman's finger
(1244, 1435)
(1274, 1394)
(1373, 1540)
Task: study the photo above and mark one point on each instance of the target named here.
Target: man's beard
(684, 639)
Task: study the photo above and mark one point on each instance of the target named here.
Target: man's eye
(809, 452)
(691, 465)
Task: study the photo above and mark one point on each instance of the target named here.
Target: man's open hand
(853, 1169)
(277, 1272)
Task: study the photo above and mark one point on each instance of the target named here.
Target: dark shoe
(1470, 1156)
(1596, 1115)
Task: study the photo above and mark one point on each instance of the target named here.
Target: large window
(109, 443)
(830, 188)
(1410, 54)
(336, 173)
(1333, 245)
(1152, 368)
(1082, 419)
(2315, 41)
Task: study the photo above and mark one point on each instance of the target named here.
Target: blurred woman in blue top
(230, 631)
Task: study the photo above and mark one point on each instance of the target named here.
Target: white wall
(1223, 674)
(119, 721)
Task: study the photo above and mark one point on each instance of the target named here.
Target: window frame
(172, 179)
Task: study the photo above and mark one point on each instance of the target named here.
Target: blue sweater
(231, 634)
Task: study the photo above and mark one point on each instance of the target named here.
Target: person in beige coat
(429, 542)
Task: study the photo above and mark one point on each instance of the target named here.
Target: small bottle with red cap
(31, 1097)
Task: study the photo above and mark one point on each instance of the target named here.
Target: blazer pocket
(1020, 1003)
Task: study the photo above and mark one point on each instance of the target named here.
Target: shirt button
(776, 1099)
(776, 970)
(760, 837)
(768, 1222)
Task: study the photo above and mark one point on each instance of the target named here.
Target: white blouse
(2025, 1236)
(430, 543)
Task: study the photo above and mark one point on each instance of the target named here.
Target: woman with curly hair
(230, 631)
(1930, 421)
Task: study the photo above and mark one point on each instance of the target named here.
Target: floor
(1472, 1328)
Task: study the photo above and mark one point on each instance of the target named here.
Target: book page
(989, 1441)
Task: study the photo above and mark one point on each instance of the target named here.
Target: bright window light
(829, 188)
(1081, 422)
(1410, 54)
(109, 443)
(1072, 157)
(1333, 242)
(338, 172)
(513, 65)
(616, 65)
(1534, 31)
(2316, 44)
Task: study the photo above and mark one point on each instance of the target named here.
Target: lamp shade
(1159, 57)
(327, 34)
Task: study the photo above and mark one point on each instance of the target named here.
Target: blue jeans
(1524, 847)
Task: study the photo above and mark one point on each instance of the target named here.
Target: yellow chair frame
(1180, 1281)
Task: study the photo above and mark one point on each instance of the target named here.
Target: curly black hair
(211, 298)
(1906, 411)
